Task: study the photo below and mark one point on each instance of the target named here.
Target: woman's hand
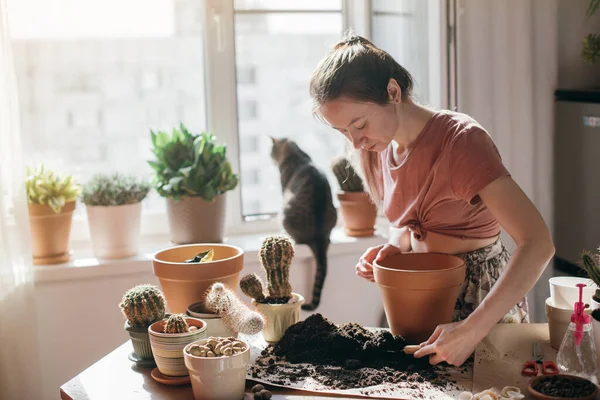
(452, 343)
(364, 268)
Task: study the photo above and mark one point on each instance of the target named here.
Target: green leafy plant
(189, 164)
(46, 187)
(590, 50)
(114, 190)
(143, 305)
(346, 176)
(590, 264)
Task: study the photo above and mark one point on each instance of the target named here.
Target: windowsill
(83, 265)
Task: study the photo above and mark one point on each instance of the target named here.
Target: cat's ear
(273, 140)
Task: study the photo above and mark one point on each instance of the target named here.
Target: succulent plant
(346, 175)
(276, 255)
(236, 315)
(114, 190)
(143, 305)
(46, 187)
(590, 46)
(176, 323)
(590, 264)
(190, 164)
(253, 287)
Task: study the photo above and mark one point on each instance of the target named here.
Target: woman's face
(369, 126)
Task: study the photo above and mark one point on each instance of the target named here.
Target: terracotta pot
(195, 220)
(279, 317)
(184, 284)
(539, 396)
(359, 213)
(214, 323)
(167, 348)
(419, 291)
(50, 233)
(217, 378)
(115, 230)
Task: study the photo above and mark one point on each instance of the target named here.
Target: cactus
(235, 314)
(589, 263)
(176, 323)
(276, 255)
(143, 305)
(347, 177)
(253, 287)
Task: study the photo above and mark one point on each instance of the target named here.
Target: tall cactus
(589, 263)
(276, 255)
(176, 323)
(235, 314)
(346, 176)
(143, 305)
(253, 287)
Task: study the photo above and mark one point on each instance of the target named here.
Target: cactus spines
(235, 314)
(253, 287)
(276, 255)
(589, 263)
(176, 323)
(143, 305)
(346, 175)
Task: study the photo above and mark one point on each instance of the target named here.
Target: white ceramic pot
(279, 317)
(217, 378)
(558, 322)
(594, 305)
(167, 348)
(115, 230)
(214, 323)
(565, 294)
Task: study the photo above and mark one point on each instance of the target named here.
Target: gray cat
(308, 213)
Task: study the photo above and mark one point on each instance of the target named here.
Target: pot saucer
(169, 380)
(54, 259)
(140, 362)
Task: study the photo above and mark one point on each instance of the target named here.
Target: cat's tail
(319, 248)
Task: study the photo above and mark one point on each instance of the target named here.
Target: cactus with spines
(346, 175)
(143, 305)
(590, 264)
(276, 255)
(234, 313)
(253, 287)
(176, 323)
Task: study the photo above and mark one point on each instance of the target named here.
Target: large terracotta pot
(359, 213)
(184, 284)
(115, 230)
(50, 233)
(195, 220)
(419, 291)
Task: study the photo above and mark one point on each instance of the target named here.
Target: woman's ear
(394, 92)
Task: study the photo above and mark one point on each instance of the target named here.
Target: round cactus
(276, 255)
(176, 323)
(143, 305)
(235, 314)
(252, 287)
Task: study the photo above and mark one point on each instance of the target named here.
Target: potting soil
(559, 386)
(345, 357)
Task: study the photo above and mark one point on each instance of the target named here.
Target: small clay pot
(195, 220)
(419, 291)
(115, 230)
(140, 341)
(279, 317)
(50, 233)
(359, 213)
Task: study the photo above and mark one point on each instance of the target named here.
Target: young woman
(443, 187)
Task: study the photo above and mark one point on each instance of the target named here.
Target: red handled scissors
(530, 368)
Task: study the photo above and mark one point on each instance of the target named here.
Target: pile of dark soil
(563, 386)
(345, 357)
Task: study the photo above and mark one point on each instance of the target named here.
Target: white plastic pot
(564, 292)
(115, 230)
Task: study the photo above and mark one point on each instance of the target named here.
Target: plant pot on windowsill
(192, 172)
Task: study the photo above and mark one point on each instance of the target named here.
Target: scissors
(530, 368)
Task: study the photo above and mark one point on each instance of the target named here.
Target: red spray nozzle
(579, 317)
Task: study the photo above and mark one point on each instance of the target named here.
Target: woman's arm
(454, 343)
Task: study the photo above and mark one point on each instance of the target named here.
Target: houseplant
(51, 199)
(590, 264)
(192, 172)
(279, 305)
(142, 305)
(114, 208)
(590, 50)
(358, 211)
(169, 336)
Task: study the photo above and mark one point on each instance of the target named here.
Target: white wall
(79, 320)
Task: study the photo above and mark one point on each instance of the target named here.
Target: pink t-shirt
(435, 186)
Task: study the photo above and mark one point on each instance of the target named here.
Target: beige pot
(115, 230)
(279, 317)
(195, 220)
(359, 213)
(558, 321)
(184, 284)
(50, 233)
(217, 378)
